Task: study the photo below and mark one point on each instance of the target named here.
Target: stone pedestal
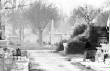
(21, 64)
(65, 48)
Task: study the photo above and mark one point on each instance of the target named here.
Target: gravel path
(48, 61)
(44, 60)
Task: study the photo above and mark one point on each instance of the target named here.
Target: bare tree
(86, 13)
(40, 14)
(16, 18)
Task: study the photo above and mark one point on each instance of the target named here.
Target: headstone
(22, 64)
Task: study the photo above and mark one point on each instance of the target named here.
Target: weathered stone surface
(21, 64)
(1, 64)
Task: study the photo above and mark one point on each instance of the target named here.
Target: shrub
(75, 47)
(78, 29)
(60, 47)
(78, 41)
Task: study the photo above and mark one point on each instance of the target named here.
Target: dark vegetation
(79, 38)
(60, 46)
(79, 30)
(76, 44)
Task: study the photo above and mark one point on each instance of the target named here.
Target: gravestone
(21, 64)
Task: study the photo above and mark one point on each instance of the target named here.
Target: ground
(47, 61)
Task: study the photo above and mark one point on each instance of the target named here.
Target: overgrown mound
(76, 43)
(82, 33)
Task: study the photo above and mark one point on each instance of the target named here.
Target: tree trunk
(13, 30)
(40, 38)
(20, 36)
